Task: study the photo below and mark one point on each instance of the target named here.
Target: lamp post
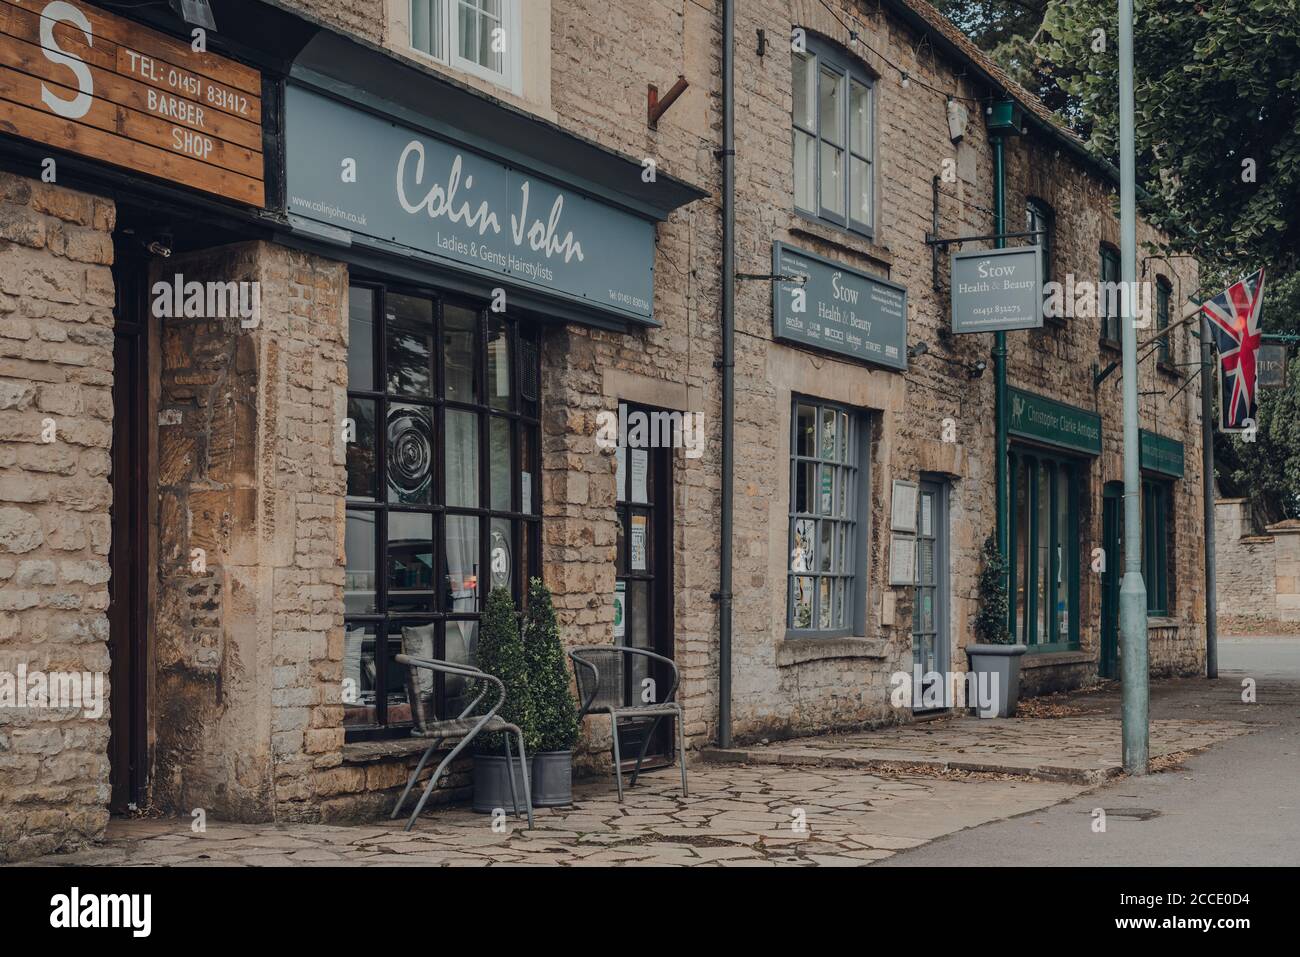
(1132, 589)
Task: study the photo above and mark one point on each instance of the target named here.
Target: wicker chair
(599, 671)
(466, 728)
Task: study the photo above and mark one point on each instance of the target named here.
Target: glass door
(643, 605)
(930, 610)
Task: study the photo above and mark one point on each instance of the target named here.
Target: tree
(991, 616)
(1217, 127)
(555, 714)
(500, 653)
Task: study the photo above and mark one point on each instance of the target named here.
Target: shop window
(828, 480)
(1157, 544)
(1163, 292)
(834, 138)
(480, 37)
(442, 490)
(1044, 572)
(1038, 216)
(1109, 303)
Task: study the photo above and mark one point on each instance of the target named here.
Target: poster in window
(902, 560)
(638, 543)
(902, 515)
(526, 489)
(620, 596)
(640, 469)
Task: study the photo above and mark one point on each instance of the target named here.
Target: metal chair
(600, 673)
(466, 728)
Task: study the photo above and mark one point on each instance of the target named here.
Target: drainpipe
(1004, 119)
(728, 368)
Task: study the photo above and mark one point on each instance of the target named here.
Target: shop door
(930, 611)
(643, 614)
(1112, 542)
(128, 552)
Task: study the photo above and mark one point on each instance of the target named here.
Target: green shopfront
(1052, 449)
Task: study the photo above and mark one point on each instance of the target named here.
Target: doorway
(930, 647)
(1112, 547)
(129, 552)
(643, 589)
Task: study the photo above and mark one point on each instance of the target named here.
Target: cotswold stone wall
(1256, 575)
(250, 473)
(56, 380)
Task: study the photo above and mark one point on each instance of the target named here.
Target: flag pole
(1207, 495)
(1132, 591)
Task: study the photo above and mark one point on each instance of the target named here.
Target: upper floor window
(480, 37)
(1038, 218)
(834, 139)
(1109, 303)
(1163, 291)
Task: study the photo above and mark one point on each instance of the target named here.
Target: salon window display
(442, 490)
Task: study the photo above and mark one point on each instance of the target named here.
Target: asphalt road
(1236, 804)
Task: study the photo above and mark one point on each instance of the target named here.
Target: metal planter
(492, 784)
(552, 779)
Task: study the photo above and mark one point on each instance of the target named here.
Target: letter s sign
(79, 105)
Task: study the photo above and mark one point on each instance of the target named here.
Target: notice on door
(80, 79)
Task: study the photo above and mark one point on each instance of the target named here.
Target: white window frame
(511, 73)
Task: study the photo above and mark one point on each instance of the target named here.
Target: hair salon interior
(307, 320)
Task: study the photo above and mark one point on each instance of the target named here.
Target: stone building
(222, 268)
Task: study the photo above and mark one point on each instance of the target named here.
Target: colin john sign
(356, 171)
(76, 78)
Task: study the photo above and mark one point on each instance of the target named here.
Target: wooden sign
(81, 79)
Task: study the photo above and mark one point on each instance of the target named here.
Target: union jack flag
(1234, 316)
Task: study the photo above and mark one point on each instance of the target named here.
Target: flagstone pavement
(840, 800)
(735, 815)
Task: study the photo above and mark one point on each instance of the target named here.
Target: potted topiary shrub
(500, 652)
(994, 656)
(555, 714)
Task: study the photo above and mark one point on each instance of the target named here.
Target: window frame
(524, 560)
(1157, 544)
(819, 55)
(511, 59)
(853, 572)
(1106, 253)
(1164, 299)
(1076, 481)
(1040, 211)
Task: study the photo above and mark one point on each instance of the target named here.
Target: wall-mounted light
(195, 12)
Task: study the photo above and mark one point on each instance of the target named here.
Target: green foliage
(991, 618)
(1215, 86)
(554, 710)
(501, 653)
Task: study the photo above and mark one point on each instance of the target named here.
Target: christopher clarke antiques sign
(79, 79)
(838, 309)
(356, 171)
(1045, 420)
(994, 290)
